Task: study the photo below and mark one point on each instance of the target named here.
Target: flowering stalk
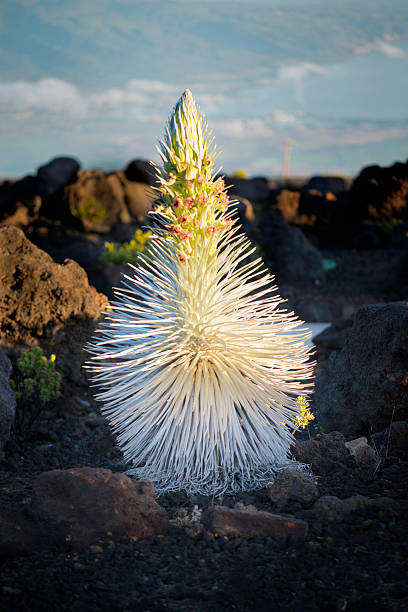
(198, 367)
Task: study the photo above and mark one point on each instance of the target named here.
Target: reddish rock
(100, 200)
(325, 454)
(247, 522)
(85, 505)
(44, 303)
(362, 452)
(292, 486)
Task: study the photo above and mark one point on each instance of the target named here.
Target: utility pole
(286, 159)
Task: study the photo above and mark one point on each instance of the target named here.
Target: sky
(97, 79)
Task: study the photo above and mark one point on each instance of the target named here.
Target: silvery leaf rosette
(197, 367)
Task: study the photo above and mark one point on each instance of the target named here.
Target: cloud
(390, 50)
(46, 94)
(56, 96)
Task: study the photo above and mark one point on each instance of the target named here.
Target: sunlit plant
(197, 365)
(36, 383)
(126, 252)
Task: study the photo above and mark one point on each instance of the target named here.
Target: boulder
(255, 189)
(382, 192)
(287, 202)
(325, 454)
(58, 173)
(292, 486)
(140, 171)
(84, 505)
(365, 385)
(7, 400)
(100, 200)
(293, 257)
(44, 303)
(80, 507)
(326, 184)
(247, 522)
(97, 200)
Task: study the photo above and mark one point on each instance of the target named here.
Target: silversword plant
(198, 367)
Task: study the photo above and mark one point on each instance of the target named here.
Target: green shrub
(91, 210)
(36, 384)
(388, 225)
(127, 252)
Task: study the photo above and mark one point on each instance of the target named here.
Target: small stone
(330, 509)
(247, 523)
(292, 486)
(362, 452)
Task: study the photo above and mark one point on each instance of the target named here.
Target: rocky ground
(77, 534)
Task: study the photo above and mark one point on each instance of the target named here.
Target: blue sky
(96, 79)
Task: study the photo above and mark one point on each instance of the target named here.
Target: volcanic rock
(101, 200)
(325, 454)
(365, 384)
(247, 522)
(292, 486)
(44, 303)
(84, 505)
(293, 257)
(58, 173)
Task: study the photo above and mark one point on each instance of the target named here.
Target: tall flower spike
(198, 367)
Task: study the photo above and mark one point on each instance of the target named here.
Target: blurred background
(293, 87)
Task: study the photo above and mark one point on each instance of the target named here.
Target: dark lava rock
(291, 485)
(7, 399)
(325, 454)
(58, 173)
(45, 303)
(255, 189)
(365, 384)
(381, 193)
(294, 258)
(326, 184)
(393, 440)
(140, 171)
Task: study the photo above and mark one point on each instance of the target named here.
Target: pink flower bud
(188, 202)
(182, 219)
(202, 198)
(219, 185)
(210, 229)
